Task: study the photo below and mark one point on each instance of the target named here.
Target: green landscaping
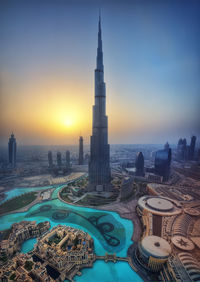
(99, 200)
(28, 265)
(12, 277)
(18, 202)
(55, 239)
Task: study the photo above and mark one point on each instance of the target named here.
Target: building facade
(162, 163)
(80, 159)
(12, 149)
(139, 164)
(68, 160)
(50, 159)
(192, 147)
(99, 164)
(59, 159)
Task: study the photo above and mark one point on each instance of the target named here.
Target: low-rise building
(18, 233)
(65, 247)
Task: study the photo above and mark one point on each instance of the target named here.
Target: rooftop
(156, 246)
(160, 204)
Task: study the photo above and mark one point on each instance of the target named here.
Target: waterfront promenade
(114, 258)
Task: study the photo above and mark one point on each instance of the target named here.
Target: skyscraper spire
(99, 164)
(12, 148)
(99, 48)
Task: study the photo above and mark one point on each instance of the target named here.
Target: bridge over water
(114, 258)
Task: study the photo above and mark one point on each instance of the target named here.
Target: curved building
(153, 209)
(157, 205)
(181, 225)
(139, 164)
(154, 252)
(190, 266)
(182, 243)
(192, 212)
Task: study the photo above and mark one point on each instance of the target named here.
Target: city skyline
(151, 61)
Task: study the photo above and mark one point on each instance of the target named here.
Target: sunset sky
(151, 62)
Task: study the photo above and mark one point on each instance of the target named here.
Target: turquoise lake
(110, 232)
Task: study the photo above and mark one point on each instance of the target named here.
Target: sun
(68, 122)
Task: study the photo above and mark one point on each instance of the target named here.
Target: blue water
(108, 272)
(110, 232)
(28, 245)
(19, 191)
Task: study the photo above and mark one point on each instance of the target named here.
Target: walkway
(114, 258)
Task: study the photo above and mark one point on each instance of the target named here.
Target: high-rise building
(182, 149)
(198, 155)
(50, 159)
(166, 147)
(99, 164)
(192, 147)
(12, 149)
(68, 160)
(139, 164)
(80, 159)
(162, 163)
(59, 159)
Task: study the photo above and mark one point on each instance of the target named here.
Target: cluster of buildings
(58, 255)
(65, 248)
(161, 170)
(13, 238)
(170, 243)
(59, 160)
(184, 151)
(23, 268)
(60, 167)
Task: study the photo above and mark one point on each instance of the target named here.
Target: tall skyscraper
(139, 164)
(12, 149)
(182, 149)
(166, 146)
(162, 163)
(80, 160)
(68, 160)
(99, 164)
(192, 147)
(59, 159)
(50, 159)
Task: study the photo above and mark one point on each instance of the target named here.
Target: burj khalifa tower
(99, 164)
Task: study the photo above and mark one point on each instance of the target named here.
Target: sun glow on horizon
(68, 122)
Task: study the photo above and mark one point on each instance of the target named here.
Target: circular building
(192, 211)
(159, 204)
(154, 252)
(152, 209)
(183, 243)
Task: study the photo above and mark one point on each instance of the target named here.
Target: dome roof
(159, 204)
(156, 246)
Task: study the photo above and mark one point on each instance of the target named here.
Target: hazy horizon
(151, 62)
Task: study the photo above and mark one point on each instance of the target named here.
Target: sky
(151, 65)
